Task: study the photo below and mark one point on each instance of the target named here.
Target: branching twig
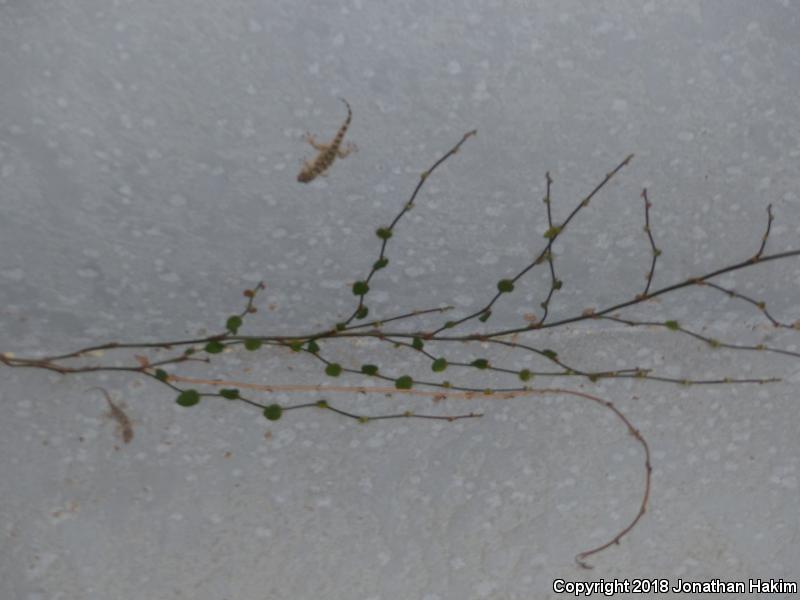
(555, 284)
(760, 305)
(385, 233)
(159, 357)
(656, 251)
(507, 285)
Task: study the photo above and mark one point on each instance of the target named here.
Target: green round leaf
(333, 369)
(229, 393)
(369, 369)
(384, 233)
(161, 375)
(233, 323)
(312, 347)
(505, 285)
(525, 375)
(362, 312)
(404, 382)
(480, 363)
(440, 364)
(215, 347)
(273, 412)
(252, 344)
(188, 398)
(417, 343)
(380, 263)
(360, 288)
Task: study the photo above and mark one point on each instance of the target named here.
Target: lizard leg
(346, 150)
(311, 140)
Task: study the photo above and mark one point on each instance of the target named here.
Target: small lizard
(327, 152)
(124, 426)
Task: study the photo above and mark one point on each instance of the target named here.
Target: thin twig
(555, 284)
(382, 260)
(766, 233)
(551, 236)
(656, 252)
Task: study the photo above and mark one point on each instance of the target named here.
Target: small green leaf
(551, 354)
(449, 324)
(215, 347)
(417, 344)
(480, 363)
(384, 233)
(252, 344)
(162, 375)
(312, 347)
(229, 393)
(273, 412)
(557, 284)
(404, 382)
(369, 369)
(673, 325)
(485, 316)
(362, 312)
(439, 365)
(296, 346)
(380, 263)
(341, 326)
(505, 286)
(552, 232)
(233, 323)
(188, 398)
(322, 404)
(333, 369)
(525, 375)
(360, 288)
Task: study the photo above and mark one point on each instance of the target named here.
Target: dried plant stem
(453, 395)
(427, 344)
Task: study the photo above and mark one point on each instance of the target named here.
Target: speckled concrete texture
(148, 161)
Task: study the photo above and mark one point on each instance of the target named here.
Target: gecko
(327, 152)
(124, 426)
